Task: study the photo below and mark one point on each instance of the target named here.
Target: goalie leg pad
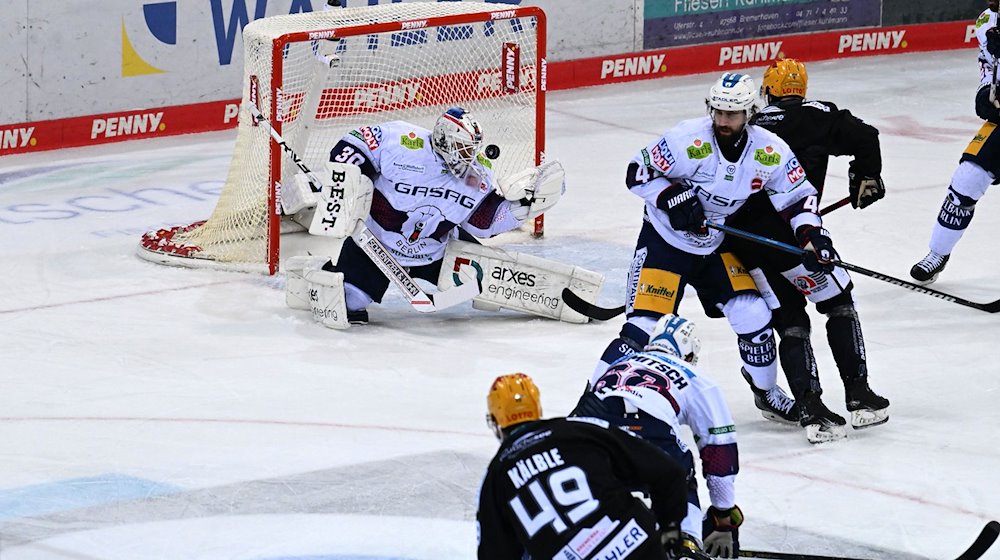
(346, 198)
(326, 294)
(519, 281)
(296, 287)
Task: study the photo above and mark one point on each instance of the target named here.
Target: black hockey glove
(680, 202)
(819, 255)
(865, 190)
(993, 41)
(679, 545)
(722, 531)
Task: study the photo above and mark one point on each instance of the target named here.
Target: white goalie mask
(733, 92)
(457, 137)
(675, 336)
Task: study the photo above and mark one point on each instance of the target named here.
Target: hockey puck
(493, 151)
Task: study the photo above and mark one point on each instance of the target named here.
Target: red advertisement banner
(731, 55)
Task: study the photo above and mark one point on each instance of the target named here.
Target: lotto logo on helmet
(877, 41)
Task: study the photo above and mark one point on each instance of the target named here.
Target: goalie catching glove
(534, 190)
(722, 531)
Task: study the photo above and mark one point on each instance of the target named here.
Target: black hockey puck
(493, 151)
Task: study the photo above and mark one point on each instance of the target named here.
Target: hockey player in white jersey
(979, 165)
(425, 189)
(652, 393)
(706, 168)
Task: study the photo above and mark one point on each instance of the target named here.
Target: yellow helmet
(785, 77)
(513, 399)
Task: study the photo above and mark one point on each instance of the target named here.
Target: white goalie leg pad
(346, 198)
(326, 295)
(537, 189)
(296, 287)
(519, 281)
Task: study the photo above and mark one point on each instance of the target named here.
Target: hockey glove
(678, 545)
(722, 531)
(865, 190)
(819, 255)
(680, 202)
(993, 41)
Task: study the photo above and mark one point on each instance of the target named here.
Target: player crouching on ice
(410, 203)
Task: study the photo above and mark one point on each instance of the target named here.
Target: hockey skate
(821, 424)
(929, 267)
(773, 403)
(867, 409)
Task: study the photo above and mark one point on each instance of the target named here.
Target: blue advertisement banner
(672, 23)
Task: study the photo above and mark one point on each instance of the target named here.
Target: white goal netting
(315, 76)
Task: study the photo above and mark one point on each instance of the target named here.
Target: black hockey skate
(773, 403)
(359, 317)
(821, 424)
(867, 409)
(929, 267)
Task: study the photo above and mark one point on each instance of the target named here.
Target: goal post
(317, 76)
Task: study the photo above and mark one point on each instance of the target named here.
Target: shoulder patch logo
(699, 149)
(411, 141)
(767, 156)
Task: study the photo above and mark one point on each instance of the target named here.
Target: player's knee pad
(747, 313)
(842, 310)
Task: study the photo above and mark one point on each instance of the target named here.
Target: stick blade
(583, 307)
(983, 542)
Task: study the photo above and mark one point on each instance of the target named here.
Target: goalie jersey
(418, 202)
(688, 152)
(561, 488)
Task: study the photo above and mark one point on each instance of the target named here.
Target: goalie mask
(675, 336)
(457, 138)
(733, 92)
(785, 77)
(513, 399)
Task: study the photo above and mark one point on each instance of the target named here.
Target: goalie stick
(987, 536)
(991, 307)
(366, 240)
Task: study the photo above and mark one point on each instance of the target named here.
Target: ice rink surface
(149, 412)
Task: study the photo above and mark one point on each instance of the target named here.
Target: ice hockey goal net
(315, 76)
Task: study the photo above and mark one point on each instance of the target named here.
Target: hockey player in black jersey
(562, 488)
(815, 130)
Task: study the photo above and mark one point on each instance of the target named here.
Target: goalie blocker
(519, 281)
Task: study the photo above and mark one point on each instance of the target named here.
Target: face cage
(491, 421)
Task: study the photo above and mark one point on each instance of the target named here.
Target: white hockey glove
(722, 531)
(534, 190)
(300, 194)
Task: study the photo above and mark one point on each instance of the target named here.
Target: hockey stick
(366, 240)
(842, 202)
(790, 555)
(983, 542)
(991, 307)
(587, 309)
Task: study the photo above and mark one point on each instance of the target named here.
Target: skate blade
(773, 417)
(865, 418)
(818, 433)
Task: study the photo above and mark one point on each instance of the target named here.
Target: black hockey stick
(587, 309)
(983, 542)
(842, 202)
(991, 307)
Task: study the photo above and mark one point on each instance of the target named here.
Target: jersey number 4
(566, 487)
